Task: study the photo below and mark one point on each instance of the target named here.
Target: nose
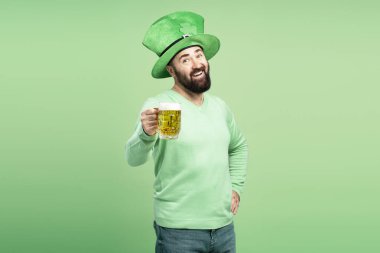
(197, 63)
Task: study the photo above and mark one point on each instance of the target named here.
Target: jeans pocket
(159, 248)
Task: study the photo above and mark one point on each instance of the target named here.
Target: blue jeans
(171, 240)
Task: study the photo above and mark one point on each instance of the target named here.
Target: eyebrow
(185, 55)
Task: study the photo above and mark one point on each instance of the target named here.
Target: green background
(302, 78)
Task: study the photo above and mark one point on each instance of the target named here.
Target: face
(190, 68)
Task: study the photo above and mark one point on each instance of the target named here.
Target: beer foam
(170, 106)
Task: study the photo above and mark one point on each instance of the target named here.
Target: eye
(200, 55)
(185, 60)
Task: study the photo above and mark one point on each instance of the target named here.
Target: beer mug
(169, 120)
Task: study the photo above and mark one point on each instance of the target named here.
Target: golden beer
(169, 120)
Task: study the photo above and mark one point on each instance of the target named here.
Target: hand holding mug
(149, 121)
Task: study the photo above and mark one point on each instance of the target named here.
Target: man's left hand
(235, 202)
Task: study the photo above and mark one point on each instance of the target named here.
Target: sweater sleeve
(238, 155)
(140, 146)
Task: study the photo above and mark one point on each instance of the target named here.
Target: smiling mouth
(198, 73)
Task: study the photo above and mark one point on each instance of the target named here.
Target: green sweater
(196, 173)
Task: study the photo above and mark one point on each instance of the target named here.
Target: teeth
(198, 73)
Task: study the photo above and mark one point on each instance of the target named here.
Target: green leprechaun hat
(174, 32)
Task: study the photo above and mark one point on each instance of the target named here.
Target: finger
(150, 130)
(146, 123)
(150, 117)
(236, 206)
(152, 111)
(234, 211)
(233, 205)
(152, 127)
(151, 123)
(236, 195)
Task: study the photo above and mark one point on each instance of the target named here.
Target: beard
(195, 85)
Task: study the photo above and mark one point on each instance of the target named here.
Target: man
(199, 176)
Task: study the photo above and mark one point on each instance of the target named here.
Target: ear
(170, 70)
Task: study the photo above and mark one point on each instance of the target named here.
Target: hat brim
(209, 43)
